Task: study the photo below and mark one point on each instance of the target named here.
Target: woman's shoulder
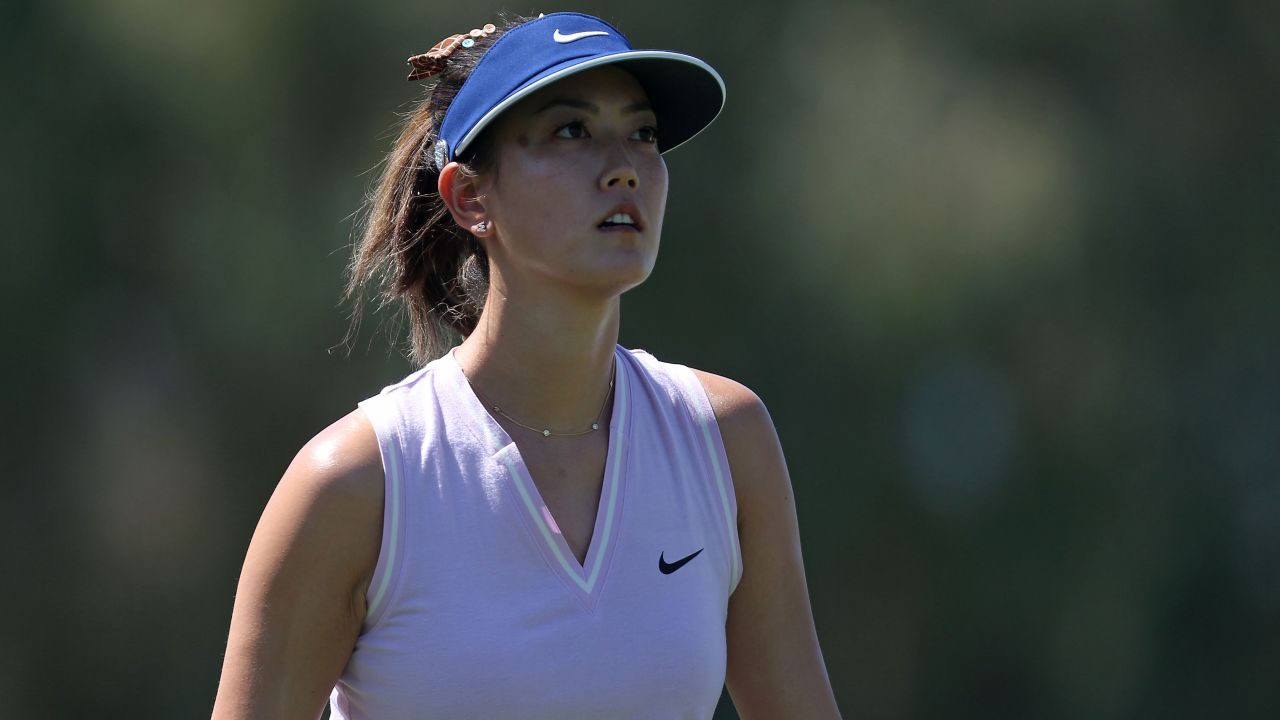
(731, 400)
(750, 440)
(746, 428)
(332, 496)
(339, 472)
(337, 475)
(344, 458)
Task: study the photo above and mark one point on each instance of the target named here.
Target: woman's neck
(547, 364)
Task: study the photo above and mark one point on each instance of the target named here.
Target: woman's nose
(622, 174)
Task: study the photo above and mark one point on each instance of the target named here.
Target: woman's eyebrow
(634, 107)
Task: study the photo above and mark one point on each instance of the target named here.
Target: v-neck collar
(586, 579)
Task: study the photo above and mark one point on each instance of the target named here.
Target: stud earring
(481, 227)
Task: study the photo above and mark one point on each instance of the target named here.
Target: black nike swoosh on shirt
(667, 568)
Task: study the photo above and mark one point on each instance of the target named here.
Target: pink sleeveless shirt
(479, 609)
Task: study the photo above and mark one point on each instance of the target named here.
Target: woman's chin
(613, 281)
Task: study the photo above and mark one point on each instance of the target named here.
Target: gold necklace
(546, 432)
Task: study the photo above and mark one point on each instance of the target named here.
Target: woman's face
(579, 189)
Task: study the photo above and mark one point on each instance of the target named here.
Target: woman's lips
(624, 217)
(619, 222)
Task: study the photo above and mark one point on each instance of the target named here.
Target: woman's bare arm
(301, 598)
(775, 666)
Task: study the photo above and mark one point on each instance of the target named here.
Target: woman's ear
(460, 193)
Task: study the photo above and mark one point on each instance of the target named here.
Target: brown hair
(410, 251)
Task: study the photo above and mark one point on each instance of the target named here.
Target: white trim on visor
(584, 65)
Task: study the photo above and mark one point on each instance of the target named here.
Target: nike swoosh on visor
(574, 36)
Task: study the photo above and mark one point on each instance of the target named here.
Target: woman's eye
(647, 134)
(574, 130)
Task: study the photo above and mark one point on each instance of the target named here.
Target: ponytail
(410, 250)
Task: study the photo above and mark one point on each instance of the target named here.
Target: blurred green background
(1006, 275)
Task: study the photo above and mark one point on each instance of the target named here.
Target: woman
(539, 522)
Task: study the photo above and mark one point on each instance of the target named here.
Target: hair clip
(432, 61)
(440, 154)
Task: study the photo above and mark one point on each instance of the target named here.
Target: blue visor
(686, 93)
